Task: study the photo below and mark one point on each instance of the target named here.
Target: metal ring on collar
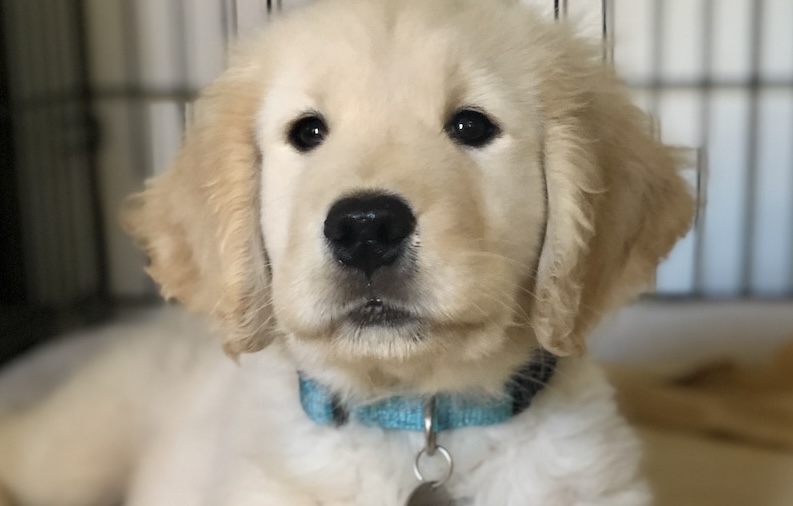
(430, 443)
(445, 454)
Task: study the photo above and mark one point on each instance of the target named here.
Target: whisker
(498, 256)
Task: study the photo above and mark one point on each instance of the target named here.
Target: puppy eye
(307, 133)
(471, 128)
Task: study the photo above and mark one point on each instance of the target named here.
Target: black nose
(368, 231)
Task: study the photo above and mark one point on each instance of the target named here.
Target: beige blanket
(724, 399)
(720, 434)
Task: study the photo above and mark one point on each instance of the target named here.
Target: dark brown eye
(471, 128)
(307, 133)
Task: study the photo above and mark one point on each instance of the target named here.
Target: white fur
(206, 432)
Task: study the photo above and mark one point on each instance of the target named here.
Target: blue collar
(451, 411)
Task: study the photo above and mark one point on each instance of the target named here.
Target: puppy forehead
(382, 55)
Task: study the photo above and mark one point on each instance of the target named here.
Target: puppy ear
(199, 221)
(616, 206)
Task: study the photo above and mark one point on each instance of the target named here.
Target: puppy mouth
(377, 313)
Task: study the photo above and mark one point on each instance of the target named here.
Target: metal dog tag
(428, 494)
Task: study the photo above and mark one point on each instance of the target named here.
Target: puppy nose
(367, 231)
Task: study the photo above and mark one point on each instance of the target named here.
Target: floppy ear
(199, 221)
(616, 204)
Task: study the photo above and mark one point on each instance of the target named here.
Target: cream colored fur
(525, 242)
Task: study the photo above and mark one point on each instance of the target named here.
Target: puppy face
(412, 195)
(403, 230)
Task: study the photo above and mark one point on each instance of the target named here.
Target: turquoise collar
(451, 411)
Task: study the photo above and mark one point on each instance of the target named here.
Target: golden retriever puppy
(405, 217)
